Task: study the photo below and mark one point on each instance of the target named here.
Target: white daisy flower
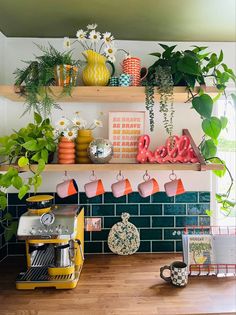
(62, 124)
(70, 134)
(94, 36)
(66, 43)
(91, 26)
(108, 38)
(110, 51)
(98, 123)
(79, 122)
(81, 35)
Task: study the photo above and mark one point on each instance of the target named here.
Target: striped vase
(83, 140)
(66, 151)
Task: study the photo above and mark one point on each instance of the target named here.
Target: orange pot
(66, 151)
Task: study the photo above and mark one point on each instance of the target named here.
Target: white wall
(17, 49)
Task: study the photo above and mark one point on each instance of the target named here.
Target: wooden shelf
(104, 94)
(121, 167)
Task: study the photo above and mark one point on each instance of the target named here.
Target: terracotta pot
(83, 140)
(66, 151)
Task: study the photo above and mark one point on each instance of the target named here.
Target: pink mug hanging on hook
(132, 66)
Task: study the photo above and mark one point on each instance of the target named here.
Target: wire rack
(219, 270)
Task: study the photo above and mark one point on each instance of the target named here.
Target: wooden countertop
(115, 285)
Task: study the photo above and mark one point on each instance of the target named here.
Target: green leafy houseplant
(190, 68)
(38, 77)
(30, 145)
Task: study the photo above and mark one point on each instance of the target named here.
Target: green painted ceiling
(163, 20)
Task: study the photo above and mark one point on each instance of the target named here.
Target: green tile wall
(159, 219)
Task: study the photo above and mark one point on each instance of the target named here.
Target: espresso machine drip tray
(40, 274)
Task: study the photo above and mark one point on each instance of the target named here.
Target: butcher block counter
(115, 285)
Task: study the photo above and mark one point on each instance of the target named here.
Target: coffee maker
(54, 239)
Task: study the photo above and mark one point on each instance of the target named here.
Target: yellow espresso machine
(54, 238)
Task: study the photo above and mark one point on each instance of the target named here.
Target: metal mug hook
(146, 176)
(119, 176)
(172, 176)
(92, 177)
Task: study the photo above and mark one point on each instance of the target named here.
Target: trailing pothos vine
(191, 68)
(32, 144)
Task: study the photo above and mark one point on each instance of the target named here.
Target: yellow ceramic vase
(83, 140)
(96, 72)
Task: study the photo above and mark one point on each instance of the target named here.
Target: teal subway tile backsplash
(159, 218)
(163, 246)
(83, 199)
(204, 220)
(162, 221)
(136, 198)
(103, 210)
(173, 234)
(188, 197)
(204, 196)
(161, 197)
(145, 247)
(131, 209)
(175, 209)
(109, 198)
(140, 221)
(197, 208)
(150, 234)
(151, 209)
(100, 236)
(187, 220)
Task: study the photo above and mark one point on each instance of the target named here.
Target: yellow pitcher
(96, 72)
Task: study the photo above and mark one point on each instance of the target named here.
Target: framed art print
(124, 130)
(93, 224)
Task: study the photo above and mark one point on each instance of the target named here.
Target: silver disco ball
(100, 151)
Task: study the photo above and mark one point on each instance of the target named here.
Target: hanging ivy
(190, 68)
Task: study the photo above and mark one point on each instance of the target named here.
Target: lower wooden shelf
(121, 167)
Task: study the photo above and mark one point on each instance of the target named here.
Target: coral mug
(94, 188)
(148, 187)
(174, 187)
(67, 188)
(122, 187)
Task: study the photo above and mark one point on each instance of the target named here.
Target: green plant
(190, 68)
(32, 144)
(38, 77)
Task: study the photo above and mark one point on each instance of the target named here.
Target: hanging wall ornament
(124, 238)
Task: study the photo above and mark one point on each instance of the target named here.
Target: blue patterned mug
(114, 81)
(125, 79)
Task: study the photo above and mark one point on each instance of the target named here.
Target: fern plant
(39, 75)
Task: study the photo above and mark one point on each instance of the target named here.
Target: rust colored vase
(66, 151)
(83, 140)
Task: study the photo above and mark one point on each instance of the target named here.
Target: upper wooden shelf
(104, 94)
(121, 167)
